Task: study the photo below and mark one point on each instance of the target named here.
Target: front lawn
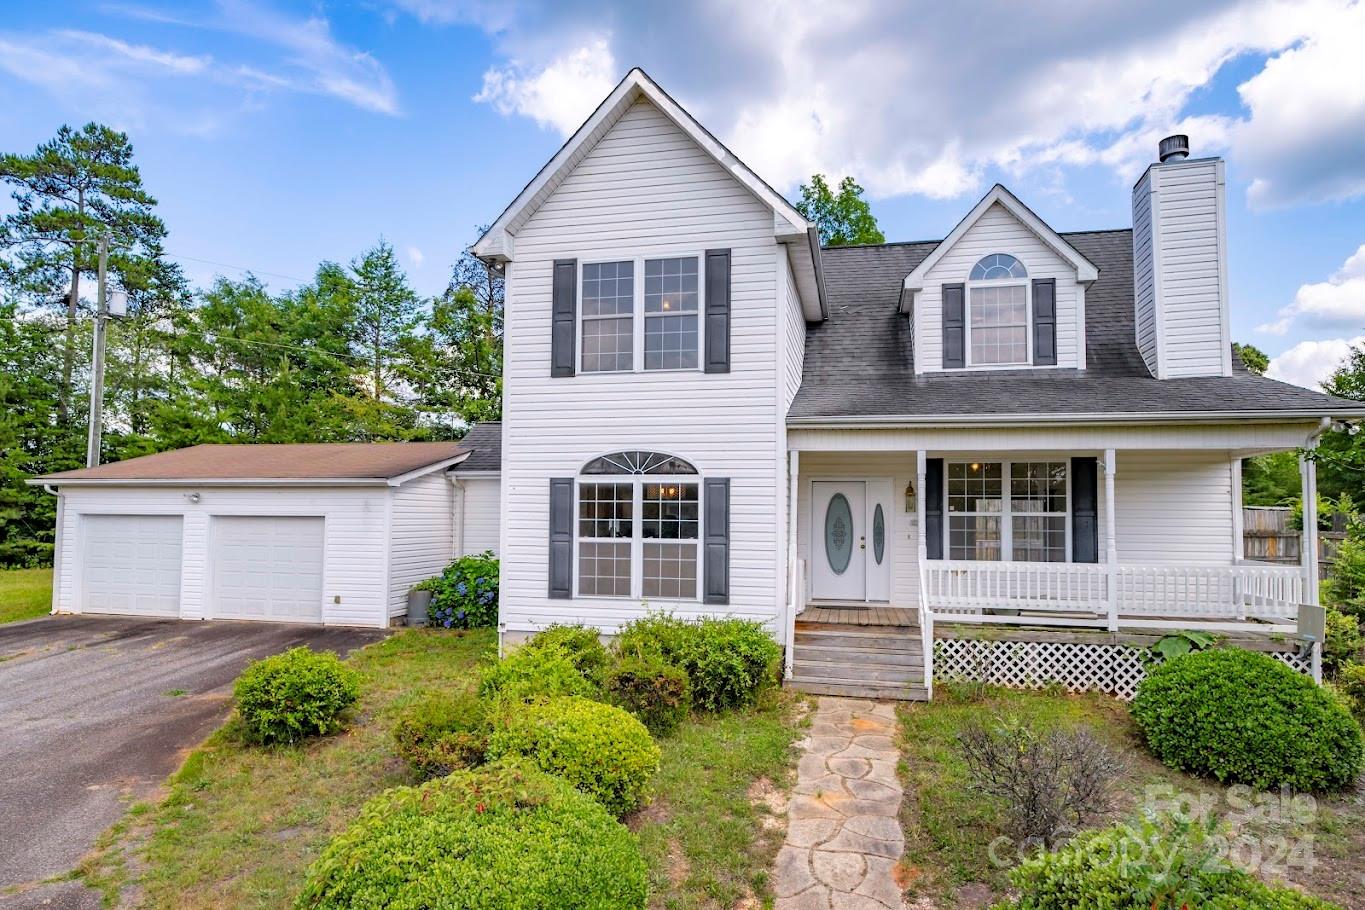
(949, 829)
(25, 594)
(241, 823)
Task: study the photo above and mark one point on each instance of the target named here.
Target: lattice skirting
(1077, 666)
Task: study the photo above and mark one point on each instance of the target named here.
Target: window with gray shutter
(563, 316)
(717, 540)
(1045, 322)
(954, 326)
(717, 311)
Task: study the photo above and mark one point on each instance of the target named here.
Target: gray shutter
(717, 327)
(561, 537)
(954, 326)
(564, 317)
(716, 560)
(933, 507)
(1085, 522)
(1045, 322)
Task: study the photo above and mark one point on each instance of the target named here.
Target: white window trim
(1006, 513)
(1027, 285)
(637, 539)
(638, 314)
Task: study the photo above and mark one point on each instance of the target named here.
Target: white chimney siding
(1180, 277)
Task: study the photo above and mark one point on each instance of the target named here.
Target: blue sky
(278, 134)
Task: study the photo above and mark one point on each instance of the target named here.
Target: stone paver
(843, 835)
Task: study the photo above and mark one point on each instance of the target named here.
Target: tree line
(354, 354)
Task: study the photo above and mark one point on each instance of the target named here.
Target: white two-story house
(707, 413)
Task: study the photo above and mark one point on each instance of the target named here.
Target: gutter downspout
(57, 546)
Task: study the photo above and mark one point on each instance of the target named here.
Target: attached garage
(330, 533)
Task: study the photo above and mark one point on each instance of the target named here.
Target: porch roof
(859, 363)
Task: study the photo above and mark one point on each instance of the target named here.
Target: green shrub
(501, 838)
(656, 692)
(1351, 684)
(598, 748)
(661, 634)
(1343, 641)
(1244, 717)
(728, 662)
(1162, 862)
(299, 693)
(465, 595)
(582, 644)
(528, 674)
(442, 732)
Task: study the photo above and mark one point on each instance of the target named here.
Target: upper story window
(998, 312)
(632, 325)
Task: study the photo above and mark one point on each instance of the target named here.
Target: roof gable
(998, 195)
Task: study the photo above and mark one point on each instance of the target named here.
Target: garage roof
(354, 462)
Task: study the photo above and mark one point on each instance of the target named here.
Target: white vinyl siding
(1173, 507)
(793, 331)
(645, 190)
(1180, 237)
(479, 510)
(996, 231)
(422, 529)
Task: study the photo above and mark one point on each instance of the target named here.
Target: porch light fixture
(910, 497)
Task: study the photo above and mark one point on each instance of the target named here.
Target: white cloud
(1309, 363)
(926, 99)
(1304, 138)
(416, 256)
(561, 94)
(1337, 303)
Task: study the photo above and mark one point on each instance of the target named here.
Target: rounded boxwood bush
(499, 838)
(1244, 717)
(1156, 862)
(534, 673)
(582, 644)
(656, 692)
(442, 732)
(290, 696)
(728, 662)
(598, 748)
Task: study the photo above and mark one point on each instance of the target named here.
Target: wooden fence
(1269, 537)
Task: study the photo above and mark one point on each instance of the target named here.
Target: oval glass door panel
(838, 533)
(878, 534)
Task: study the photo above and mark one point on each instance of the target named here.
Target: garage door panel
(131, 564)
(267, 567)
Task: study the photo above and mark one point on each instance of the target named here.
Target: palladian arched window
(997, 312)
(638, 527)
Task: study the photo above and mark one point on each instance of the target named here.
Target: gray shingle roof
(860, 363)
(485, 441)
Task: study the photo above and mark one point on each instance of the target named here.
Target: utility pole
(92, 446)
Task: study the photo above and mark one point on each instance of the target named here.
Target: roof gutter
(892, 422)
(47, 482)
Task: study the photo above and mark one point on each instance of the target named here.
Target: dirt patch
(765, 794)
(656, 813)
(677, 867)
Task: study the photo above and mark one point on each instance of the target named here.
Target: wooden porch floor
(857, 614)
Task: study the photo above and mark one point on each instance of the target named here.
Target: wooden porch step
(846, 654)
(856, 688)
(864, 639)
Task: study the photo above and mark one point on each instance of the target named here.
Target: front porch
(1015, 537)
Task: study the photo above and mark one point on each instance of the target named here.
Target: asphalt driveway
(95, 712)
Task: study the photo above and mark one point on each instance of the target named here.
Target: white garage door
(267, 567)
(131, 564)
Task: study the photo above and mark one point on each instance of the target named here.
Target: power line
(240, 268)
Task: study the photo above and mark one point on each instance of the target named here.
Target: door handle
(862, 543)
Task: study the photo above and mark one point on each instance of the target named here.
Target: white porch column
(1111, 548)
(1308, 472)
(794, 592)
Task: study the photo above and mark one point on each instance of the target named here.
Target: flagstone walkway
(843, 835)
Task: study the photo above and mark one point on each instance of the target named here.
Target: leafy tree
(843, 218)
(1271, 480)
(387, 312)
(1253, 358)
(79, 185)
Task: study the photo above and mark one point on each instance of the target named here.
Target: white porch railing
(1098, 595)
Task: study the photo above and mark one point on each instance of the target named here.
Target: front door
(838, 540)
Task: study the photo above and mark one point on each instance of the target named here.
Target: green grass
(709, 837)
(240, 824)
(25, 594)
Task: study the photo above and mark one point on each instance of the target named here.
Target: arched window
(997, 312)
(997, 267)
(639, 523)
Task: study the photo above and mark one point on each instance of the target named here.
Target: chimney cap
(1173, 148)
